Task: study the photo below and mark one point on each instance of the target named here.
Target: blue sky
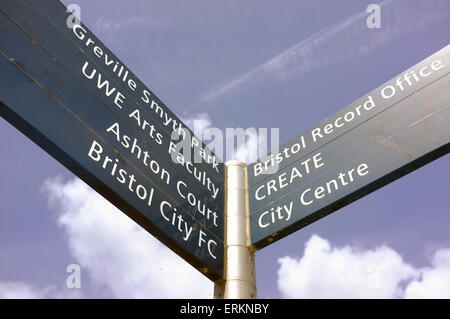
(245, 64)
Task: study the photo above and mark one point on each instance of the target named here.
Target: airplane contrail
(348, 39)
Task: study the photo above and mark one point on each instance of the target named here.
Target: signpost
(68, 93)
(393, 130)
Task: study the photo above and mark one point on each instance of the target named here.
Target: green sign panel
(384, 135)
(63, 88)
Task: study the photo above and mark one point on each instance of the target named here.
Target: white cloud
(198, 122)
(117, 253)
(23, 290)
(20, 290)
(325, 271)
(435, 281)
(343, 41)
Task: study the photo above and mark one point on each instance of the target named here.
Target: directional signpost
(386, 134)
(68, 93)
(63, 88)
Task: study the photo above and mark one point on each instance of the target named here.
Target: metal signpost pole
(239, 273)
